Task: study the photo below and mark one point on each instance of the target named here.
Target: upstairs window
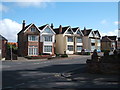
(79, 40)
(33, 29)
(48, 38)
(70, 39)
(32, 38)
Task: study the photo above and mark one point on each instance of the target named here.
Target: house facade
(64, 40)
(91, 40)
(3, 47)
(34, 41)
(47, 39)
(109, 43)
(78, 40)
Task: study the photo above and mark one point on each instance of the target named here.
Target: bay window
(32, 50)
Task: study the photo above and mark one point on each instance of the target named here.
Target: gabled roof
(2, 38)
(75, 29)
(112, 37)
(96, 31)
(42, 27)
(86, 32)
(109, 38)
(24, 28)
(56, 30)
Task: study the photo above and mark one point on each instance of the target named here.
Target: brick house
(29, 40)
(109, 43)
(91, 40)
(3, 47)
(32, 41)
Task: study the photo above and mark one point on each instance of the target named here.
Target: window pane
(33, 50)
(47, 48)
(48, 38)
(33, 29)
(32, 38)
(79, 40)
(70, 39)
(70, 47)
(79, 48)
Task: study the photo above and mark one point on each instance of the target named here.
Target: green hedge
(64, 55)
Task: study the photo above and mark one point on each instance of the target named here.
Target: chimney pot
(52, 25)
(23, 25)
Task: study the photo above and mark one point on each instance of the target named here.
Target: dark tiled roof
(42, 27)
(97, 32)
(56, 30)
(109, 38)
(87, 32)
(112, 37)
(3, 38)
(74, 29)
(25, 28)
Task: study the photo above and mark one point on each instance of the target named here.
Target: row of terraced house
(46, 39)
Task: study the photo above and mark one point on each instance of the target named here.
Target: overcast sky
(102, 16)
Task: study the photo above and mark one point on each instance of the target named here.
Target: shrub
(57, 55)
(64, 55)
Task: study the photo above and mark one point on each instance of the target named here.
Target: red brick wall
(53, 49)
(4, 48)
(41, 47)
(23, 41)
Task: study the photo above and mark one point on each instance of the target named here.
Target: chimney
(52, 25)
(60, 29)
(23, 24)
(85, 32)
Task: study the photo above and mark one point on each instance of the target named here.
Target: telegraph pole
(11, 52)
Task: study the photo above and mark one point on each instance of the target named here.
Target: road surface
(42, 73)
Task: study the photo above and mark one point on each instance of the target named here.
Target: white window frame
(34, 50)
(69, 47)
(49, 38)
(30, 37)
(68, 39)
(47, 51)
(77, 48)
(78, 40)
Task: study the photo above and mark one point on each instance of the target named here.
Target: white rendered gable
(47, 30)
(91, 34)
(97, 35)
(79, 32)
(69, 31)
